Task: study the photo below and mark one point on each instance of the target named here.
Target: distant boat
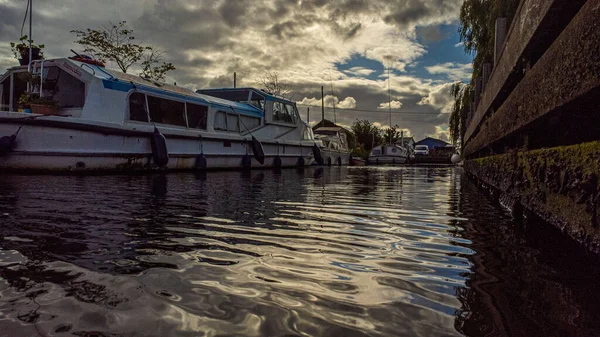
(357, 161)
(388, 154)
(108, 120)
(334, 145)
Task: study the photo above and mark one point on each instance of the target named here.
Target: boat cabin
(93, 93)
(333, 138)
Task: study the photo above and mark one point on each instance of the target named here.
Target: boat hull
(381, 160)
(337, 158)
(61, 144)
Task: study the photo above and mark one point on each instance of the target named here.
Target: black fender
(6, 144)
(246, 162)
(160, 154)
(201, 162)
(258, 151)
(317, 154)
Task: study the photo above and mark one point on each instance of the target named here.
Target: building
(432, 143)
(407, 143)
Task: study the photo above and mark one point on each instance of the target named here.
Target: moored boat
(108, 120)
(388, 154)
(334, 145)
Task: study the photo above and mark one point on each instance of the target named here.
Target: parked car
(421, 150)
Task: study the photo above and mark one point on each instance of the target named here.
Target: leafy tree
(270, 81)
(463, 94)
(478, 24)
(115, 43)
(477, 27)
(476, 30)
(366, 134)
(392, 134)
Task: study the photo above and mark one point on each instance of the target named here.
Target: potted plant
(25, 101)
(44, 106)
(21, 50)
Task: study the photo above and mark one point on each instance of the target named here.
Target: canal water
(394, 251)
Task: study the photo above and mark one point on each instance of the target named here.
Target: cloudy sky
(344, 45)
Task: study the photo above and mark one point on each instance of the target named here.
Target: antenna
(390, 103)
(332, 97)
(30, 37)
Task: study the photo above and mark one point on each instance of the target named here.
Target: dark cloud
(208, 40)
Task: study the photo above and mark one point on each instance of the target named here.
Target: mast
(332, 99)
(30, 36)
(390, 103)
(322, 105)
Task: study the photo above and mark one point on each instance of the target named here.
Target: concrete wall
(535, 134)
(558, 184)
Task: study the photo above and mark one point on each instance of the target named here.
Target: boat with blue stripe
(106, 120)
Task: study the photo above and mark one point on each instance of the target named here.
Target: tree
(366, 134)
(463, 94)
(392, 134)
(476, 31)
(115, 43)
(477, 27)
(273, 85)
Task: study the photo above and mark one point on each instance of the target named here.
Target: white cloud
(393, 104)
(346, 103)
(454, 71)
(303, 41)
(460, 44)
(359, 71)
(440, 98)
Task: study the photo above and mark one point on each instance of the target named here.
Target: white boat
(388, 154)
(334, 145)
(110, 120)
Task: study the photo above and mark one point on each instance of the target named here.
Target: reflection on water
(314, 252)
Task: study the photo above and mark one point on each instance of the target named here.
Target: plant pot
(43, 109)
(35, 55)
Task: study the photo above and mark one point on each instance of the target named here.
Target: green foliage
(19, 49)
(391, 135)
(360, 152)
(463, 95)
(477, 28)
(150, 70)
(115, 43)
(45, 101)
(26, 98)
(366, 134)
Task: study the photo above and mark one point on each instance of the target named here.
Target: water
(319, 252)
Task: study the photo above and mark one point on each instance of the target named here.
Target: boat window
(249, 122)
(220, 121)
(292, 113)
(258, 101)
(64, 87)
(166, 111)
(137, 107)
(196, 116)
(19, 87)
(285, 113)
(233, 123)
(5, 94)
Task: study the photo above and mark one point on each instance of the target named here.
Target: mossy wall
(559, 184)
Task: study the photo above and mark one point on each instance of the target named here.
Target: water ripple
(318, 252)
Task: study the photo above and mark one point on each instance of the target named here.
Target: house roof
(329, 128)
(431, 139)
